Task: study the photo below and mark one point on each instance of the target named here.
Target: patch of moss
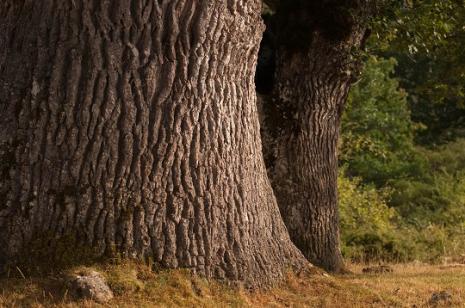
(125, 280)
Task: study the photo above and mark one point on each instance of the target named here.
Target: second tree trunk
(312, 81)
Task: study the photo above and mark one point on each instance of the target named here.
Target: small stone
(440, 298)
(89, 285)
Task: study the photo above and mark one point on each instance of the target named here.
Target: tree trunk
(312, 81)
(132, 126)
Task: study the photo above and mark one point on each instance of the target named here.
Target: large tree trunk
(311, 84)
(132, 125)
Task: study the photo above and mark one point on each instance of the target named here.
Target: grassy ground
(136, 286)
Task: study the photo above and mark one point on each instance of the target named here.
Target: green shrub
(369, 228)
(409, 220)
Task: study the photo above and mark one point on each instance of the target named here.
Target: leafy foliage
(428, 38)
(406, 202)
(436, 84)
(377, 141)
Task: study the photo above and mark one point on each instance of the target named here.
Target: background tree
(378, 132)
(316, 63)
(131, 126)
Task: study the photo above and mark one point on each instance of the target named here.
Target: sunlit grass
(135, 285)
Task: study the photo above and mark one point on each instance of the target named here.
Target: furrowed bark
(132, 125)
(312, 80)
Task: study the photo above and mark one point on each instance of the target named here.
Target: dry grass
(411, 285)
(136, 286)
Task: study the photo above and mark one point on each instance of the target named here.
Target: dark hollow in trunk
(132, 126)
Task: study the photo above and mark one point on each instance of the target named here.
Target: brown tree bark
(314, 72)
(132, 125)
